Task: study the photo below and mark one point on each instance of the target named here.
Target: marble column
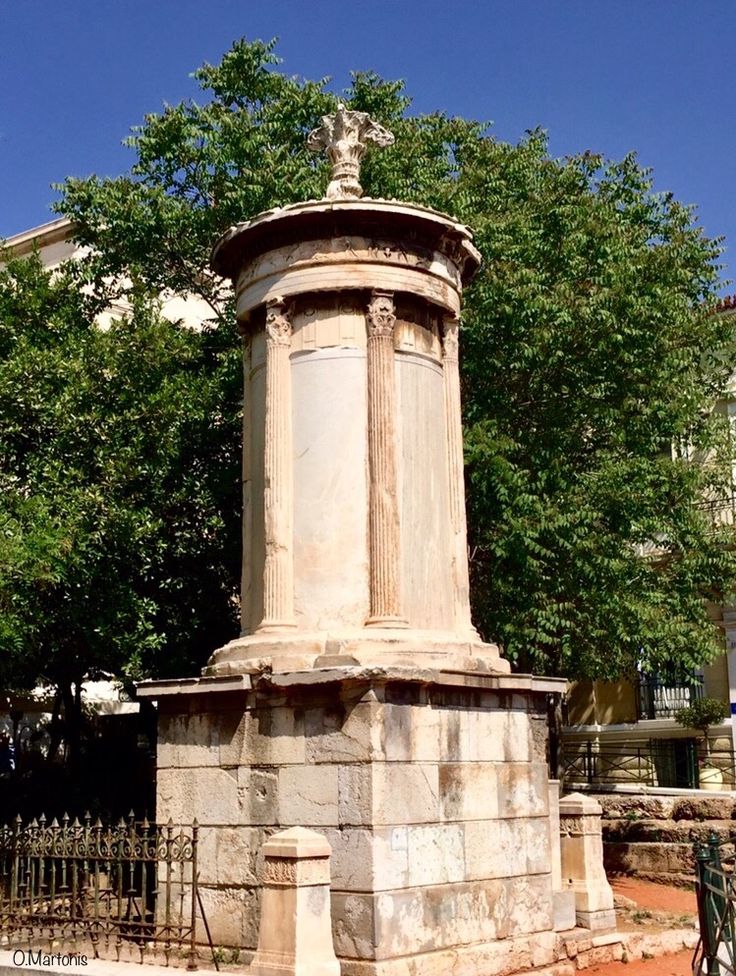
(383, 505)
(246, 579)
(456, 467)
(278, 571)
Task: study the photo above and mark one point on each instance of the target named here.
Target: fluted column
(455, 466)
(278, 570)
(383, 505)
(246, 579)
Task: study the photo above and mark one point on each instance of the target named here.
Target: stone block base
(563, 910)
(431, 788)
(499, 958)
(597, 921)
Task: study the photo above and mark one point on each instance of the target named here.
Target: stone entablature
(320, 245)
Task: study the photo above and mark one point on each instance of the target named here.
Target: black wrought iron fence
(715, 953)
(650, 762)
(588, 763)
(120, 891)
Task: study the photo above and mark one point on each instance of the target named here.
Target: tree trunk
(71, 694)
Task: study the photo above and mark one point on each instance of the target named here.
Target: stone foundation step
(581, 951)
(621, 806)
(566, 968)
(658, 860)
(675, 880)
(667, 831)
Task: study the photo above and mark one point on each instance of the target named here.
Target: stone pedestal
(582, 861)
(431, 788)
(295, 935)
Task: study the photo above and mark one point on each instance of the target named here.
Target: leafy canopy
(589, 348)
(118, 487)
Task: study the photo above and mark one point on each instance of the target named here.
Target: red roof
(727, 303)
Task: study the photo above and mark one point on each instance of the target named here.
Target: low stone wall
(652, 836)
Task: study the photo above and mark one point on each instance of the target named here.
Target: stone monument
(359, 701)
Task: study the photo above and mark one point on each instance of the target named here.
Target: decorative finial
(344, 135)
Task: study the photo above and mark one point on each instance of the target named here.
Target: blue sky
(655, 76)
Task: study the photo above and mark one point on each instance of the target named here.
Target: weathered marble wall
(434, 798)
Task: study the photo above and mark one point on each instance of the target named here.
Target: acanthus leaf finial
(344, 135)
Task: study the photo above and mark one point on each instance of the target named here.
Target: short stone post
(581, 847)
(295, 931)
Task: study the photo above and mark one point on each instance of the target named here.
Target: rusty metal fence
(121, 891)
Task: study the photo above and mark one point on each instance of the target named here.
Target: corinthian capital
(381, 315)
(450, 339)
(278, 322)
(344, 135)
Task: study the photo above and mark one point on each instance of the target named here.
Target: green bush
(703, 713)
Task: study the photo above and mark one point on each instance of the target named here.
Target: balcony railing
(721, 510)
(663, 698)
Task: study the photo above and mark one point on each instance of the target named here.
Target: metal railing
(663, 698)
(722, 509)
(121, 891)
(653, 762)
(715, 953)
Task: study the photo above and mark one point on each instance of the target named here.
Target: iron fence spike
(67, 880)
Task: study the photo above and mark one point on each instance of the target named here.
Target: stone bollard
(295, 931)
(582, 861)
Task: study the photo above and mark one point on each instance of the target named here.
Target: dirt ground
(660, 898)
(676, 964)
(652, 898)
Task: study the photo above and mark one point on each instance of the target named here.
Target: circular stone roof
(314, 219)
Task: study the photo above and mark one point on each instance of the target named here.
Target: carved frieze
(577, 826)
(340, 250)
(293, 873)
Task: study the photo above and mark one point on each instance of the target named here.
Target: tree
(589, 345)
(119, 479)
(703, 713)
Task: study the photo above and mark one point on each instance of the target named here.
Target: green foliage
(589, 348)
(703, 713)
(118, 487)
